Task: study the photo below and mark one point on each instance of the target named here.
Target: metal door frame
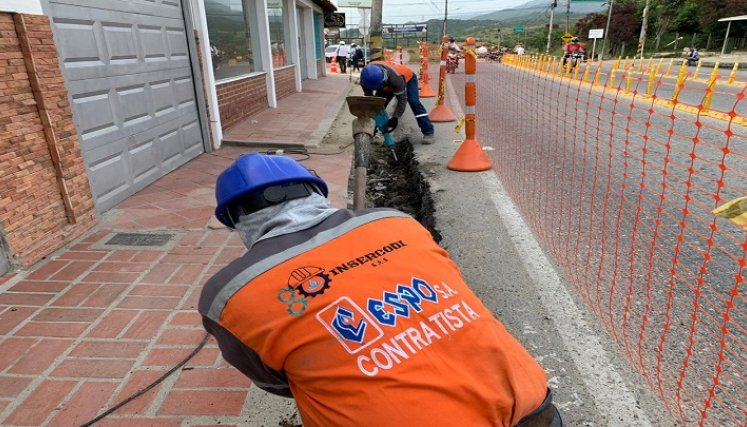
(4, 257)
(194, 61)
(302, 44)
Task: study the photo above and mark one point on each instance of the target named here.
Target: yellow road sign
(567, 37)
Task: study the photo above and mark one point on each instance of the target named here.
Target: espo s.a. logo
(303, 283)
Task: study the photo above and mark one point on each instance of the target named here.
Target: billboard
(360, 4)
(404, 29)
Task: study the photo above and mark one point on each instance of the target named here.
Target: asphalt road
(619, 191)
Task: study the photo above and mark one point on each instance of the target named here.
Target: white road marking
(611, 395)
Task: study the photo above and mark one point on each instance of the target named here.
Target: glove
(391, 125)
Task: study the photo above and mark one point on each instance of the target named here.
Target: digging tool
(365, 109)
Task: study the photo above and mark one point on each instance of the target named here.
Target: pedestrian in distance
(358, 315)
(387, 80)
(452, 57)
(343, 51)
(356, 55)
(693, 57)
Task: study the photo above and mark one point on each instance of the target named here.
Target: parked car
(330, 52)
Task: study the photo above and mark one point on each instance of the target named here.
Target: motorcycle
(575, 58)
(452, 63)
(495, 57)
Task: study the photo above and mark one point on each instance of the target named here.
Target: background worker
(387, 80)
(343, 51)
(358, 315)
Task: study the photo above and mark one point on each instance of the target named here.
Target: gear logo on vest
(309, 281)
(303, 283)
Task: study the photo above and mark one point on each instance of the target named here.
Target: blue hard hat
(253, 173)
(372, 77)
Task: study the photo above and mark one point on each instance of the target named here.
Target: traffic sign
(334, 20)
(567, 37)
(519, 29)
(364, 24)
(597, 33)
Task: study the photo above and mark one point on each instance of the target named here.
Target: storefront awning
(326, 5)
(728, 27)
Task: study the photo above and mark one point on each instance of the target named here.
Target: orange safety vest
(402, 70)
(372, 324)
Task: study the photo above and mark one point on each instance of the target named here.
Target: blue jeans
(413, 99)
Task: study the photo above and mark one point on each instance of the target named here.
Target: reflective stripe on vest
(256, 269)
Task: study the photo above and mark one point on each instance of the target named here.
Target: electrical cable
(151, 385)
(304, 152)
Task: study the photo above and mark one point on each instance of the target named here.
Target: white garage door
(128, 72)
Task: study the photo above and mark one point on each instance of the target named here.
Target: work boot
(428, 139)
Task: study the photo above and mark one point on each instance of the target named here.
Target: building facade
(99, 98)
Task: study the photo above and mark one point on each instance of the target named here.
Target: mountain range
(538, 9)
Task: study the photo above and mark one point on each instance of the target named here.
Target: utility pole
(446, 17)
(607, 29)
(568, 17)
(376, 43)
(553, 5)
(644, 27)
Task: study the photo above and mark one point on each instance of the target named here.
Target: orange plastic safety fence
(618, 166)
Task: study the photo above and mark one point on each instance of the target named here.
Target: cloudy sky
(401, 11)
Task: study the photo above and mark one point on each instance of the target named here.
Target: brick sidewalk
(301, 119)
(97, 321)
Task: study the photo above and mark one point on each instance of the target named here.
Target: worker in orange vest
(387, 79)
(358, 315)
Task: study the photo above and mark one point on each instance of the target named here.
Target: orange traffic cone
(426, 91)
(333, 68)
(470, 157)
(441, 114)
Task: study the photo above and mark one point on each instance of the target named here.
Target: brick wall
(285, 82)
(45, 199)
(241, 98)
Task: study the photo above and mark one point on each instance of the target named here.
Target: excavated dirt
(400, 185)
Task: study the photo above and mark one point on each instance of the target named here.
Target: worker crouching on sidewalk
(387, 80)
(358, 315)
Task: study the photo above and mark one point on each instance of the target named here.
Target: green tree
(625, 25)
(686, 18)
(709, 11)
(662, 18)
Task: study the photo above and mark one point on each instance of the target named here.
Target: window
(230, 39)
(277, 13)
(318, 34)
